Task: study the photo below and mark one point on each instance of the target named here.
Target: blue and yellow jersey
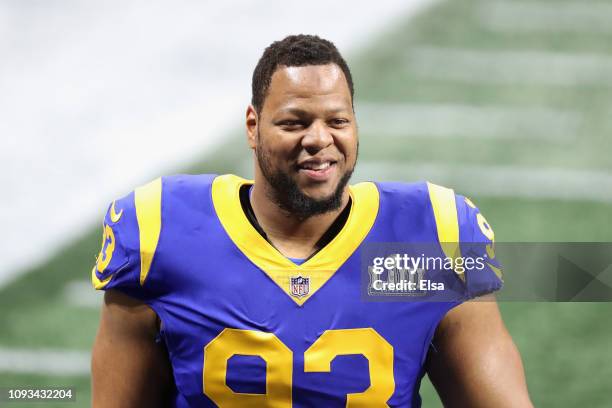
(245, 326)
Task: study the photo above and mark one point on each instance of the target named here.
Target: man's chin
(319, 194)
(303, 198)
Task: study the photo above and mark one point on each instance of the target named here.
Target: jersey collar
(317, 270)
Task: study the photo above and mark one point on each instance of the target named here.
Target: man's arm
(475, 362)
(129, 369)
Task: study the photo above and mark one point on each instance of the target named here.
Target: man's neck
(292, 236)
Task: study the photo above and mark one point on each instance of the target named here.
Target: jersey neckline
(320, 267)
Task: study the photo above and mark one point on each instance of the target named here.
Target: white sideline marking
(511, 67)
(82, 294)
(44, 361)
(547, 16)
(97, 107)
(470, 121)
(499, 181)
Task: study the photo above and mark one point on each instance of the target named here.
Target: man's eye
(339, 122)
(291, 124)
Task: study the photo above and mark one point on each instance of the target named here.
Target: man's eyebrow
(294, 111)
(301, 113)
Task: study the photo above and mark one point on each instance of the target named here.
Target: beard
(285, 192)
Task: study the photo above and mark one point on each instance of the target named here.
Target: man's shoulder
(187, 182)
(413, 193)
(177, 184)
(398, 188)
(419, 191)
(424, 199)
(135, 222)
(186, 189)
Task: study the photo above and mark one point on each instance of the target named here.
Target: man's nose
(317, 137)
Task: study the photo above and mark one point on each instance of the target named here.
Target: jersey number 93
(279, 365)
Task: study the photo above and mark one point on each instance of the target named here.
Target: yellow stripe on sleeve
(147, 200)
(447, 222)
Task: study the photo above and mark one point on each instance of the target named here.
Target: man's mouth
(317, 170)
(316, 166)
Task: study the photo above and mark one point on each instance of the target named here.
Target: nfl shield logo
(300, 286)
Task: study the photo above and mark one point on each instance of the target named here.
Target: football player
(222, 291)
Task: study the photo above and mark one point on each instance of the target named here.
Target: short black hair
(294, 51)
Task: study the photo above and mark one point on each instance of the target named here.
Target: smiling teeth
(316, 166)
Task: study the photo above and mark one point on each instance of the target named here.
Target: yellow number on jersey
(279, 368)
(485, 228)
(279, 365)
(369, 344)
(108, 247)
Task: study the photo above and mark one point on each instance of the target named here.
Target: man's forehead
(324, 76)
(309, 81)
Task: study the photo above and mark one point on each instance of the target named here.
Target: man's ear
(251, 126)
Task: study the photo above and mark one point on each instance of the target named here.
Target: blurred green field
(566, 347)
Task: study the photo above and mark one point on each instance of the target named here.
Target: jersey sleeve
(481, 270)
(118, 263)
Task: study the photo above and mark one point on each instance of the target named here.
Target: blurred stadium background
(507, 101)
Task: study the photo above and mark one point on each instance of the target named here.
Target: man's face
(306, 138)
